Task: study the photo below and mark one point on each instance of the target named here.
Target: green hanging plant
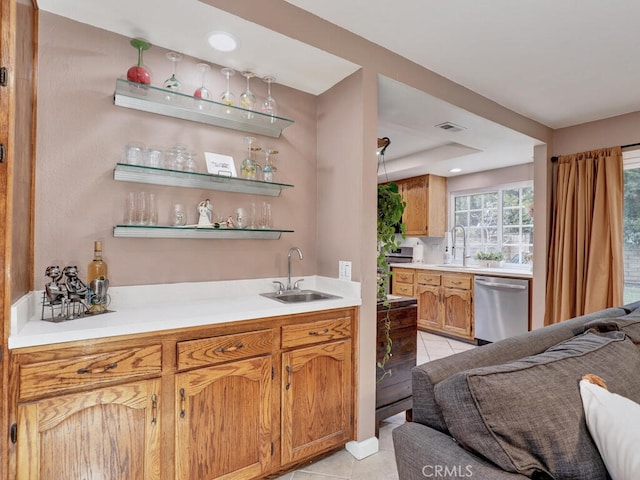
(390, 209)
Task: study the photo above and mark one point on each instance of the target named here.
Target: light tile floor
(381, 466)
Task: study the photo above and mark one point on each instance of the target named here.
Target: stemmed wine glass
(269, 168)
(249, 167)
(172, 83)
(247, 98)
(227, 97)
(269, 106)
(202, 92)
(137, 73)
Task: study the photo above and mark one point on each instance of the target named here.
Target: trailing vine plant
(390, 209)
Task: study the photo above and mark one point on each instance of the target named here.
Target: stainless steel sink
(298, 296)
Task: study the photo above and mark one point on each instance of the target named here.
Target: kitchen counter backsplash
(148, 308)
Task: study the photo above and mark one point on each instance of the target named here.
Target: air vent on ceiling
(450, 127)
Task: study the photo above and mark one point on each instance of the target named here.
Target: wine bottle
(98, 267)
(97, 280)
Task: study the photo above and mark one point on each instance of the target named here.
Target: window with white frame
(496, 220)
(631, 229)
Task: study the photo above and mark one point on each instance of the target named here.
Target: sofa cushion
(426, 376)
(527, 417)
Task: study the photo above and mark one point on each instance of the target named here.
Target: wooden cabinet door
(316, 399)
(457, 312)
(223, 421)
(106, 434)
(414, 192)
(425, 213)
(429, 307)
(436, 206)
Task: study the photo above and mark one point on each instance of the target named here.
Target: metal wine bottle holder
(71, 298)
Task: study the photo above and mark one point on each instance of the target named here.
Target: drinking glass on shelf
(253, 216)
(153, 157)
(247, 98)
(249, 166)
(142, 209)
(178, 215)
(265, 219)
(138, 73)
(151, 214)
(269, 169)
(269, 106)
(176, 158)
(202, 92)
(134, 154)
(190, 164)
(172, 83)
(130, 208)
(227, 97)
(241, 218)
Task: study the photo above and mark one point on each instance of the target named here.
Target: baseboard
(363, 449)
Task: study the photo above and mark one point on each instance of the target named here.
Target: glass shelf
(158, 231)
(205, 181)
(178, 105)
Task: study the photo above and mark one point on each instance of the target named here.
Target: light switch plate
(344, 270)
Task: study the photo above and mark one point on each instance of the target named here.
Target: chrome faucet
(464, 243)
(291, 251)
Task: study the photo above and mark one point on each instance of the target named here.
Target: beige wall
(490, 178)
(80, 138)
(347, 192)
(609, 132)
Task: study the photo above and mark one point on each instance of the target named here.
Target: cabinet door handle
(323, 332)
(106, 368)
(229, 349)
(288, 385)
(154, 409)
(183, 402)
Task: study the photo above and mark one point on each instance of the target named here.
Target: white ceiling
(559, 63)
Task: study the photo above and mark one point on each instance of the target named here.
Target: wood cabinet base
(242, 400)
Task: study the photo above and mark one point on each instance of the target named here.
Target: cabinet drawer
(428, 279)
(212, 350)
(402, 289)
(403, 276)
(44, 378)
(462, 282)
(315, 332)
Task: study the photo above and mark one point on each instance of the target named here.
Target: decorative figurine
(205, 209)
(68, 300)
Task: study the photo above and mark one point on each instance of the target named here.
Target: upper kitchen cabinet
(425, 213)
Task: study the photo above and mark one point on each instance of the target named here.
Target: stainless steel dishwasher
(501, 308)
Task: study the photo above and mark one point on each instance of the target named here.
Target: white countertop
(475, 269)
(150, 308)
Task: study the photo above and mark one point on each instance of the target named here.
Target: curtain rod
(555, 159)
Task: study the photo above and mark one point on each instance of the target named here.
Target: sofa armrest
(422, 452)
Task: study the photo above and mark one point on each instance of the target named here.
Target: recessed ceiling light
(455, 170)
(222, 41)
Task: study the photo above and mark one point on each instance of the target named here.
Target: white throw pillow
(614, 424)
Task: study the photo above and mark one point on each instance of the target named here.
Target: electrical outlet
(344, 270)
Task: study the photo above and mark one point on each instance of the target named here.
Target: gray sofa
(512, 409)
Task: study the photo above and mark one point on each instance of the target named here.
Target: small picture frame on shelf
(220, 164)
